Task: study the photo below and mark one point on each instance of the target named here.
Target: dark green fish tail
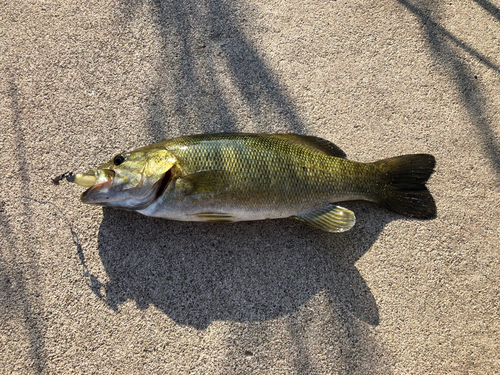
(405, 191)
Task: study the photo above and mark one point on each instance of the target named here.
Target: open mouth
(101, 179)
(103, 192)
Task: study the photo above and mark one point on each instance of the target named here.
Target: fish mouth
(101, 178)
(103, 193)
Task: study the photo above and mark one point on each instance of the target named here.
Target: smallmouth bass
(243, 176)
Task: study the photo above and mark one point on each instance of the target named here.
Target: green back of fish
(270, 170)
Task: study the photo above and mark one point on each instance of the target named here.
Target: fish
(230, 177)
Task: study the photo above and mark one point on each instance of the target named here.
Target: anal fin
(330, 218)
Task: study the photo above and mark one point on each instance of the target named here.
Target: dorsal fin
(313, 143)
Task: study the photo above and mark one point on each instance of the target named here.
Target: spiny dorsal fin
(330, 218)
(313, 143)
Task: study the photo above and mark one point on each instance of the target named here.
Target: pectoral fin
(202, 182)
(330, 218)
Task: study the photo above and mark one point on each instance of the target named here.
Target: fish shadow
(197, 273)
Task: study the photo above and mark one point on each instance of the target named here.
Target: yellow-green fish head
(131, 180)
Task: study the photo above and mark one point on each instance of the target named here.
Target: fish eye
(118, 159)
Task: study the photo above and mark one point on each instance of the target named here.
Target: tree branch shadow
(490, 8)
(440, 42)
(202, 45)
(19, 301)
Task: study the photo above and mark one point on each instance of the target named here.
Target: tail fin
(405, 191)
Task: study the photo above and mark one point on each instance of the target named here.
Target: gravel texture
(85, 290)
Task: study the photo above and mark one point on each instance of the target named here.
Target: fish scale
(264, 172)
(244, 176)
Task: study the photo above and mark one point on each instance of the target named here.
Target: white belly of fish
(185, 211)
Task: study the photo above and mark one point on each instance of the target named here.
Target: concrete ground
(86, 290)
